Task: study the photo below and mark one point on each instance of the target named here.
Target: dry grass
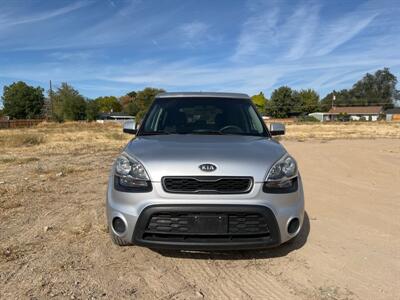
(18, 139)
(351, 130)
(74, 139)
(31, 157)
(66, 138)
(76, 136)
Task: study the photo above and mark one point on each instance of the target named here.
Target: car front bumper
(136, 210)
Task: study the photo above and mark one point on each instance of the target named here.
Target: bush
(307, 119)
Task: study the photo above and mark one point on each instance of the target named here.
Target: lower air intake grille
(200, 223)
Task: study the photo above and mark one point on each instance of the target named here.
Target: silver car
(204, 173)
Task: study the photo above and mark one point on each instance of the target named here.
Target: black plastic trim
(292, 189)
(129, 131)
(209, 178)
(210, 241)
(277, 132)
(121, 188)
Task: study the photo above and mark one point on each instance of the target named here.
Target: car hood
(181, 155)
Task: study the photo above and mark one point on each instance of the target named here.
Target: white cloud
(257, 30)
(341, 31)
(11, 20)
(301, 29)
(281, 31)
(194, 30)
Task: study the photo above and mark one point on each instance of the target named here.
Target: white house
(352, 113)
(118, 117)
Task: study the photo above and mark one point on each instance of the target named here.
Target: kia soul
(204, 173)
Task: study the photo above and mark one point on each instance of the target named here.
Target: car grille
(231, 223)
(200, 226)
(207, 185)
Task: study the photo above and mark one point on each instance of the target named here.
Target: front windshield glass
(203, 116)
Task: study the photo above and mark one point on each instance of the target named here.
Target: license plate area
(209, 224)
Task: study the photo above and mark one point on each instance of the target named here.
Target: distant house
(320, 116)
(119, 117)
(350, 113)
(393, 114)
(4, 118)
(355, 113)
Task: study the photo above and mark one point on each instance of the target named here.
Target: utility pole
(333, 101)
(50, 112)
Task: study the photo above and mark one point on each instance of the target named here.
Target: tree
(144, 99)
(132, 109)
(108, 104)
(128, 103)
(92, 110)
(378, 88)
(342, 98)
(68, 104)
(22, 101)
(373, 89)
(260, 102)
(125, 101)
(132, 94)
(308, 101)
(282, 102)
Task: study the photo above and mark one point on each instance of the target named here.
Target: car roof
(202, 94)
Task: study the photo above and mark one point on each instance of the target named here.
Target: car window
(203, 116)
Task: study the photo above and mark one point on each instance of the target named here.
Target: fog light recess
(118, 225)
(293, 225)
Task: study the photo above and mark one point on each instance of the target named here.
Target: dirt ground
(54, 241)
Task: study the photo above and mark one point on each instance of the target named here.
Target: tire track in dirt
(223, 280)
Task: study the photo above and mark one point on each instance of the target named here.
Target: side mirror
(130, 127)
(277, 129)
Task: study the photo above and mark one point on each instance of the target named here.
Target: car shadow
(279, 251)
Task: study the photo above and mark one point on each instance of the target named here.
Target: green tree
(260, 102)
(22, 101)
(144, 99)
(108, 104)
(282, 102)
(132, 94)
(132, 109)
(129, 104)
(68, 104)
(308, 101)
(92, 110)
(377, 88)
(125, 101)
(373, 89)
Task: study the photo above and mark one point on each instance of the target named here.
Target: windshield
(203, 116)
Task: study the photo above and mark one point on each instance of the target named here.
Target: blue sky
(116, 46)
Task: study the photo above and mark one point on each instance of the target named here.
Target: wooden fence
(19, 123)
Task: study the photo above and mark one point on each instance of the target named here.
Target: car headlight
(130, 175)
(282, 177)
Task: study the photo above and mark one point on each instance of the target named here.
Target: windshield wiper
(242, 133)
(213, 132)
(160, 132)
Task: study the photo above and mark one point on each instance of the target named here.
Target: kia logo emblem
(207, 167)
